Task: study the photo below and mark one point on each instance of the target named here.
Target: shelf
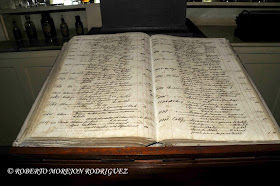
(189, 4)
(232, 4)
(46, 8)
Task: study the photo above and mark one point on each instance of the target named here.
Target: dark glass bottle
(30, 28)
(48, 26)
(17, 32)
(64, 28)
(79, 26)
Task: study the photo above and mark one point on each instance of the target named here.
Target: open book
(131, 89)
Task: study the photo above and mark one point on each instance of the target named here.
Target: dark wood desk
(214, 165)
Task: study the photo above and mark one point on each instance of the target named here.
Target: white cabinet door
(13, 107)
(267, 79)
(22, 75)
(263, 67)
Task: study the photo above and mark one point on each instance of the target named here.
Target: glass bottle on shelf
(32, 3)
(48, 26)
(30, 28)
(79, 26)
(22, 4)
(64, 28)
(17, 34)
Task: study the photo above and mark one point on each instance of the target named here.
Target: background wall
(217, 16)
(6, 4)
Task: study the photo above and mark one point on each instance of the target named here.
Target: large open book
(135, 90)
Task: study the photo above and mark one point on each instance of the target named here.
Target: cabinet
(22, 75)
(263, 66)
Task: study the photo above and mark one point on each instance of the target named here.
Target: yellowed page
(202, 93)
(102, 89)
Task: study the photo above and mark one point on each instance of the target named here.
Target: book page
(102, 89)
(202, 93)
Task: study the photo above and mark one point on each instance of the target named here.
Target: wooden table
(214, 165)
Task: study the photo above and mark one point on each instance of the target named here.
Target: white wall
(217, 16)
